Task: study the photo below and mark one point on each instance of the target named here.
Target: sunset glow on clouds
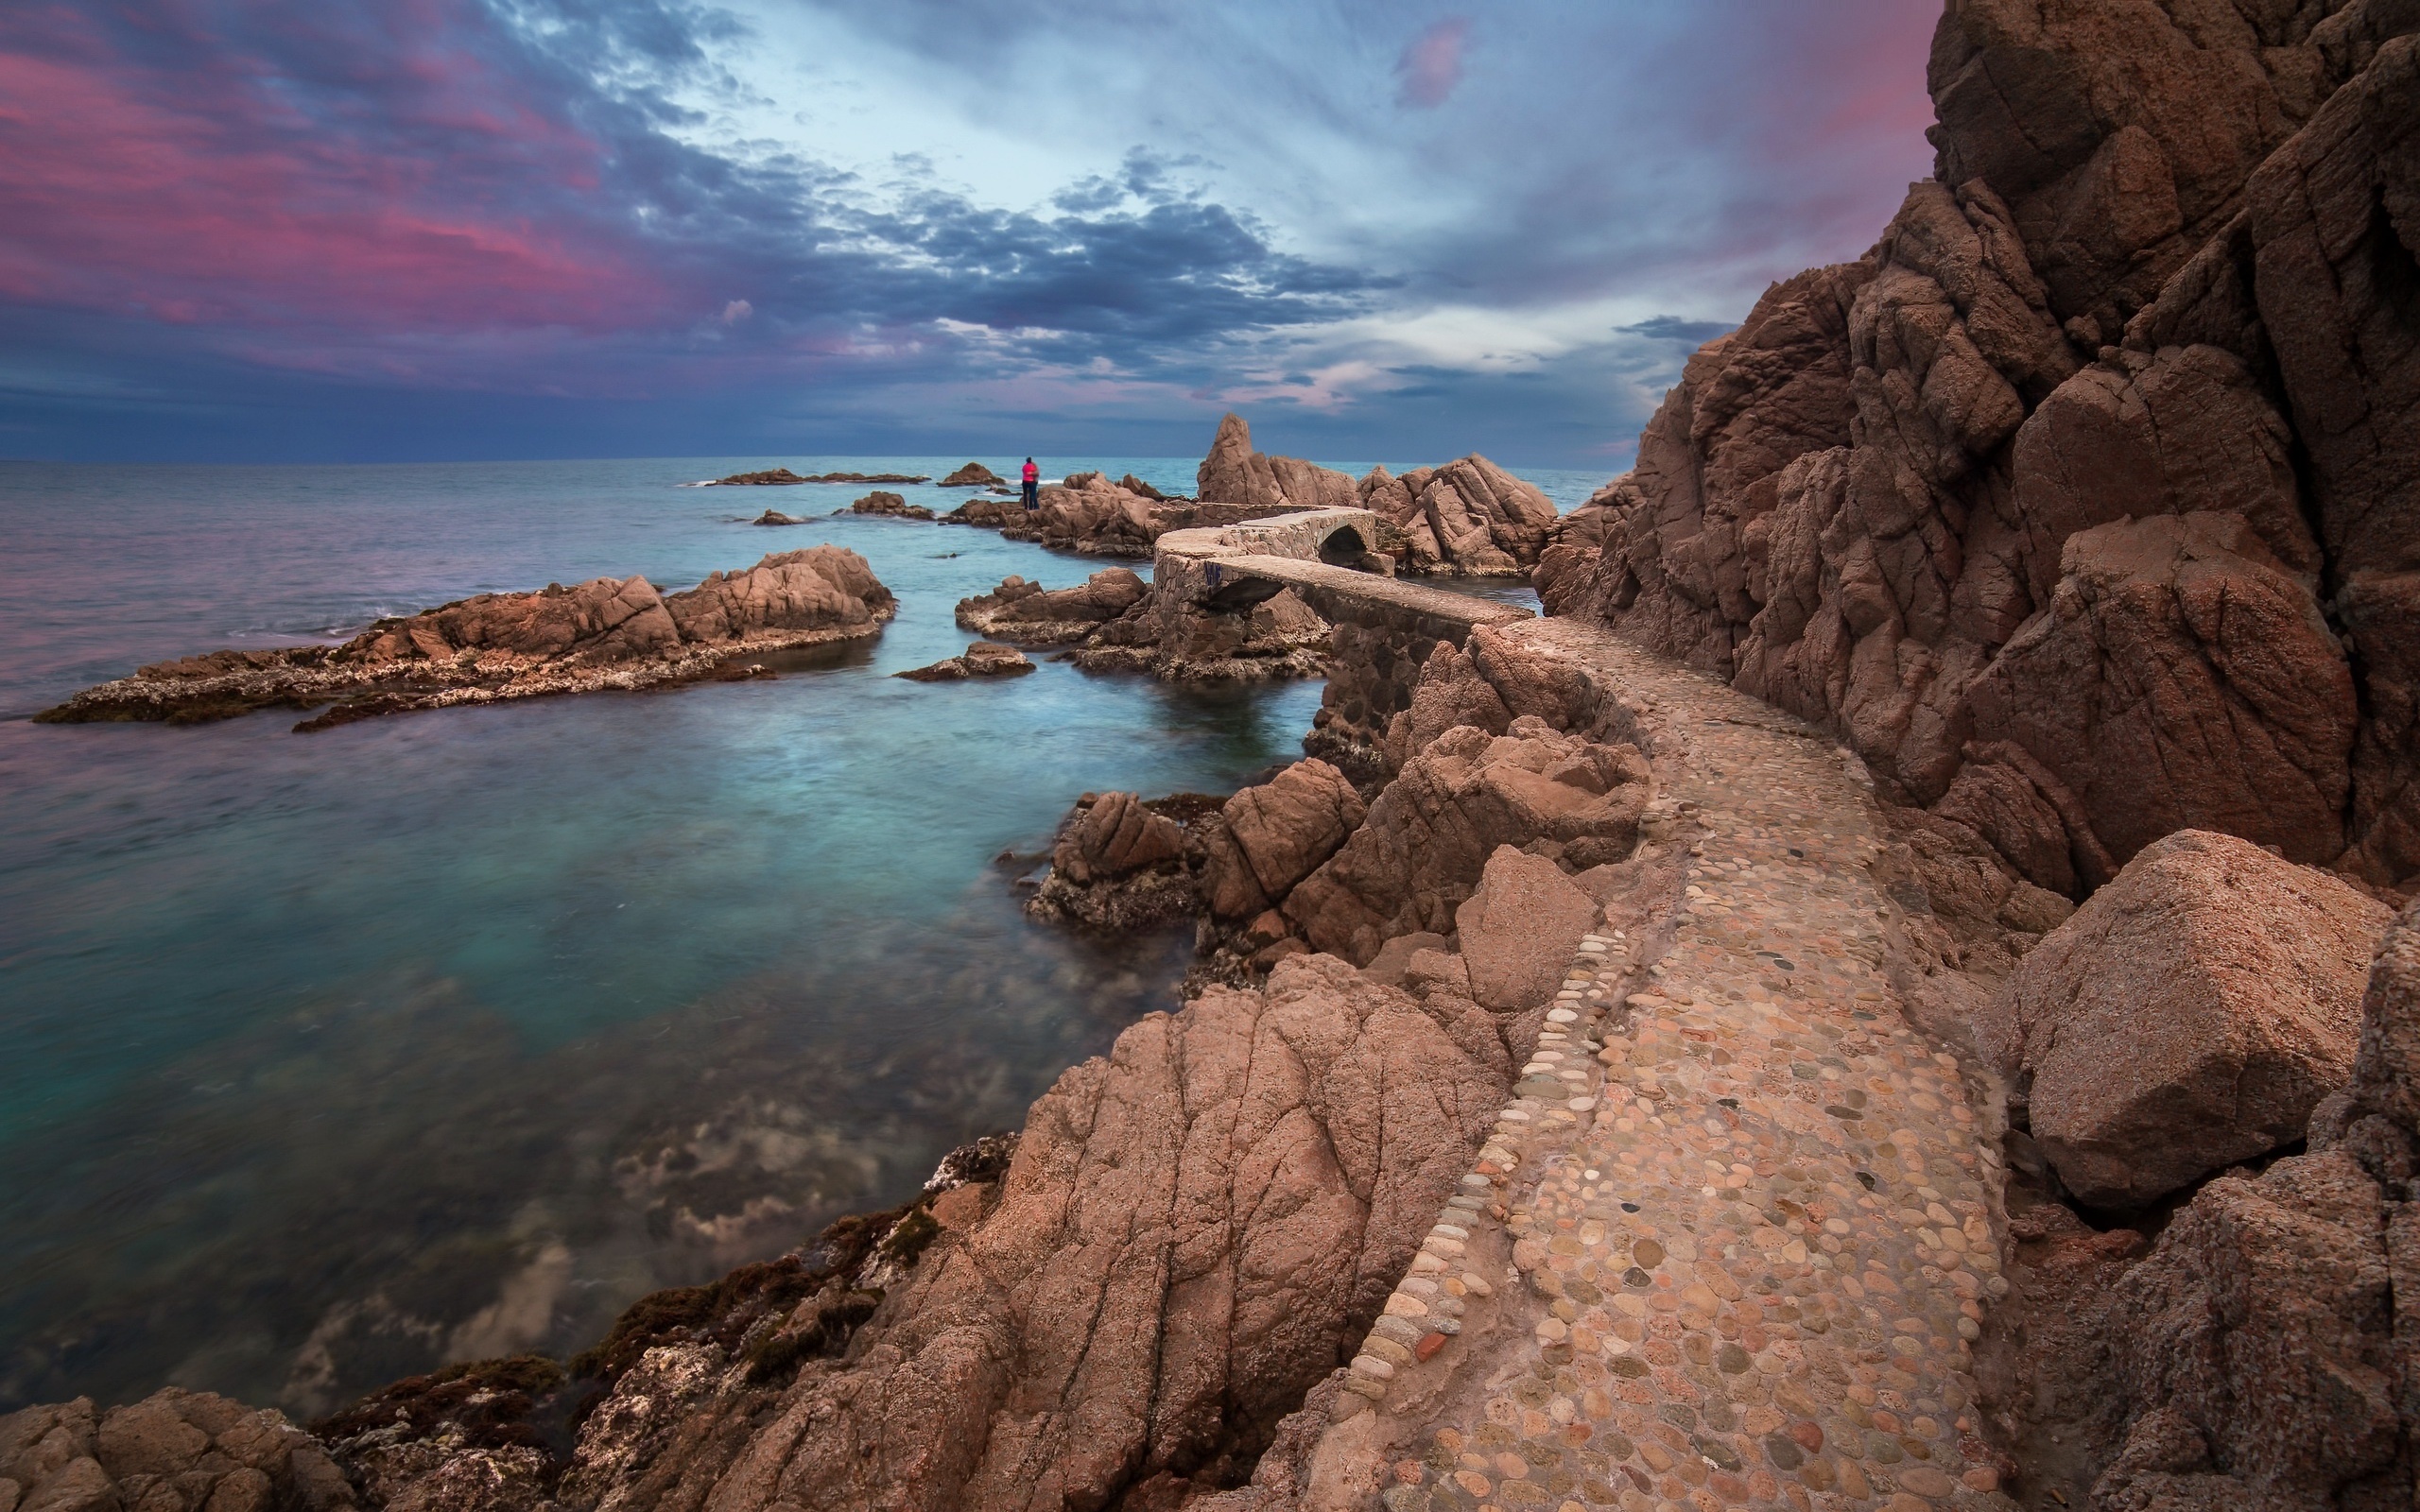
(442, 227)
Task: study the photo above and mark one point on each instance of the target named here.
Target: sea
(330, 1059)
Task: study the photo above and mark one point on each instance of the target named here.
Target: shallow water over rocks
(326, 1058)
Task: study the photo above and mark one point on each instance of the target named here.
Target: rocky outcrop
(1087, 513)
(2189, 1015)
(974, 476)
(1427, 838)
(782, 476)
(1033, 615)
(984, 659)
(1469, 518)
(604, 633)
(1194, 1231)
(1519, 929)
(1121, 863)
(173, 1451)
(775, 517)
(1273, 835)
(2163, 274)
(1275, 637)
(1232, 472)
(895, 506)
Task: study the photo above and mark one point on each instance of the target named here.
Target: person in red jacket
(1032, 484)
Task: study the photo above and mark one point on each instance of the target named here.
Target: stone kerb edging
(1557, 1087)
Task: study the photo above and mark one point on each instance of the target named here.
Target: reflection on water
(325, 1059)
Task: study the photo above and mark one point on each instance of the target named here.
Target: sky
(406, 230)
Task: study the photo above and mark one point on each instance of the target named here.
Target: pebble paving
(1736, 1225)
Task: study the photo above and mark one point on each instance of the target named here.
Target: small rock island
(607, 632)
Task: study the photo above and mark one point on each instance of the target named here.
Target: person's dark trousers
(1033, 495)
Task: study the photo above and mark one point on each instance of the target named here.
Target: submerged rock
(604, 633)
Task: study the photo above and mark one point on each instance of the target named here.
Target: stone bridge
(1384, 627)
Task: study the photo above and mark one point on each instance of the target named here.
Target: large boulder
(1469, 517)
(1275, 834)
(2190, 1015)
(1426, 840)
(2182, 676)
(602, 620)
(1518, 931)
(173, 1450)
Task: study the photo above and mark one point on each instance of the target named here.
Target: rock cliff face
(2086, 505)
(604, 633)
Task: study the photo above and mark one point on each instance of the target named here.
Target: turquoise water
(325, 1059)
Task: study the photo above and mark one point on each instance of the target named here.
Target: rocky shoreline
(1901, 993)
(607, 633)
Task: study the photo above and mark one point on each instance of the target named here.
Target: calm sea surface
(325, 1059)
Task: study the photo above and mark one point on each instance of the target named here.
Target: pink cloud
(198, 195)
(1431, 64)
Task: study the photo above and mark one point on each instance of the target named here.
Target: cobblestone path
(1731, 1243)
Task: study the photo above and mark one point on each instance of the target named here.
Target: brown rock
(1280, 833)
(2189, 1016)
(2260, 1322)
(984, 659)
(1234, 473)
(1023, 611)
(822, 588)
(895, 506)
(173, 1449)
(974, 476)
(1117, 834)
(1427, 839)
(2386, 1076)
(1518, 931)
(1195, 1230)
(2177, 646)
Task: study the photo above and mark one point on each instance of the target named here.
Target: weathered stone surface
(974, 476)
(2177, 646)
(893, 505)
(175, 1451)
(1277, 834)
(1518, 931)
(1421, 850)
(2257, 1345)
(1469, 517)
(2189, 1016)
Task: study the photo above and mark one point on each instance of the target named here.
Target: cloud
(936, 214)
(1672, 328)
(1431, 65)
